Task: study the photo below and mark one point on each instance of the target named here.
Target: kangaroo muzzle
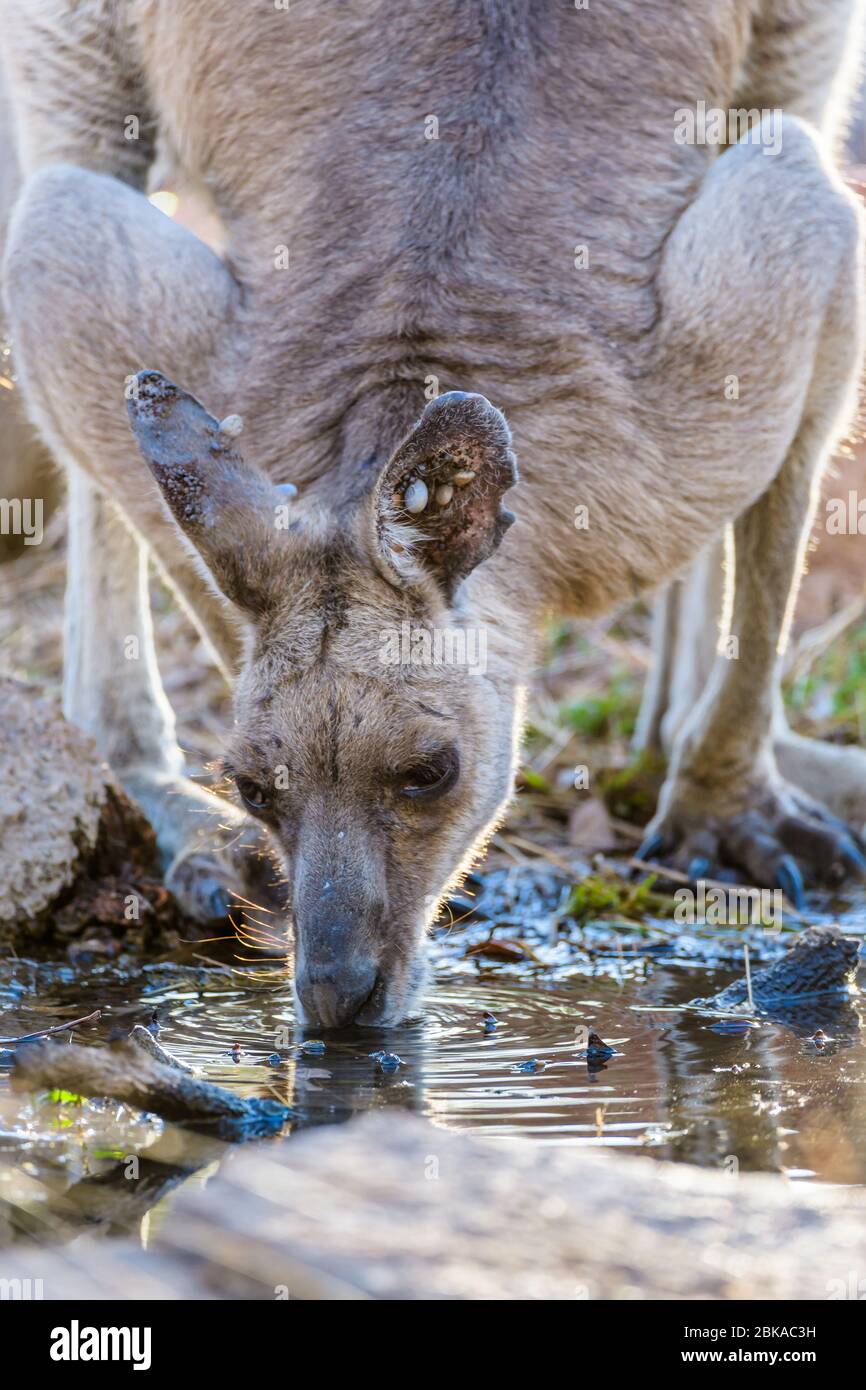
(333, 993)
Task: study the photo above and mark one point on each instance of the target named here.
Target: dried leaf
(589, 826)
(499, 950)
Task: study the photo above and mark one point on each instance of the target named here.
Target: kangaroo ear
(227, 510)
(438, 504)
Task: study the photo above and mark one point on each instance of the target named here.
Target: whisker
(257, 906)
(257, 959)
(267, 926)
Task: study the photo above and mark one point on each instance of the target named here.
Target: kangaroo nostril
(333, 996)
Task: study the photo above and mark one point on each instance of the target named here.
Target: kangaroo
(23, 459)
(460, 240)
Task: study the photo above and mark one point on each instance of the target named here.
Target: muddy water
(676, 1086)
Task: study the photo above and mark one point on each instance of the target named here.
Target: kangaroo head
(374, 727)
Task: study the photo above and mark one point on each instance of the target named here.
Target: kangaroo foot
(777, 837)
(833, 773)
(215, 856)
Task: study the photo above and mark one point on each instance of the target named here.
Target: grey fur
(447, 262)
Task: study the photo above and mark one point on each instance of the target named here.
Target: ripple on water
(761, 1100)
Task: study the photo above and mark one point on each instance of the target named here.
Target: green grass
(596, 897)
(610, 714)
(838, 680)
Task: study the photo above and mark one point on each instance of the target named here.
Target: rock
(392, 1207)
(71, 842)
(387, 1061)
(52, 795)
(821, 961)
(596, 1048)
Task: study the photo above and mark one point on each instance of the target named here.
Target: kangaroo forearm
(89, 106)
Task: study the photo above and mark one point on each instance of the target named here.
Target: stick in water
(49, 1032)
(127, 1073)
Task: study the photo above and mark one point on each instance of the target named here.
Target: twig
(627, 831)
(538, 850)
(144, 1039)
(815, 641)
(49, 1032)
(127, 1073)
(748, 978)
(664, 871)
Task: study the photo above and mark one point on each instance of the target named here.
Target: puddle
(763, 1099)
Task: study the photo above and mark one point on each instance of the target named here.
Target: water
(765, 1099)
(768, 1099)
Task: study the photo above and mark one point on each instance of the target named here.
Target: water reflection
(766, 1099)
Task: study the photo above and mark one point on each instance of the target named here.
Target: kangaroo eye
(429, 780)
(252, 795)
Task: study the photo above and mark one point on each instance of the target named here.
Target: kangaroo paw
(783, 839)
(218, 860)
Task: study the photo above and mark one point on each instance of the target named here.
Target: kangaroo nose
(334, 995)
